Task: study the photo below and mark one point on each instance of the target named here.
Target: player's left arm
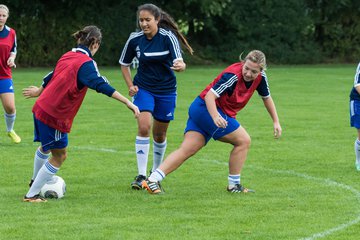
(264, 91)
(90, 76)
(270, 107)
(11, 60)
(175, 50)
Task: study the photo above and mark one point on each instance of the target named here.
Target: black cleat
(34, 199)
(238, 188)
(136, 184)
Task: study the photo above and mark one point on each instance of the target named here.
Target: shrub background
(293, 31)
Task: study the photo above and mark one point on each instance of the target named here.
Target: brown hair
(88, 36)
(166, 22)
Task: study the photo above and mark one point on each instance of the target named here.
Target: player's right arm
(126, 58)
(219, 121)
(126, 72)
(89, 76)
(118, 96)
(33, 91)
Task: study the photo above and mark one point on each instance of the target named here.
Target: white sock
(46, 172)
(357, 150)
(233, 180)
(142, 146)
(157, 176)
(39, 159)
(159, 152)
(10, 121)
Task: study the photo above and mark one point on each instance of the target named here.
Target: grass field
(306, 184)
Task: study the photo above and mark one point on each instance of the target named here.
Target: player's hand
(178, 66)
(220, 121)
(133, 90)
(31, 92)
(277, 130)
(134, 108)
(11, 62)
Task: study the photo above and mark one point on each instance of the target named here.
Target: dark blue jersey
(155, 56)
(5, 33)
(88, 75)
(354, 94)
(228, 82)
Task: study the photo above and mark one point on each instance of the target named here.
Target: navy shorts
(162, 106)
(6, 86)
(49, 137)
(201, 121)
(355, 113)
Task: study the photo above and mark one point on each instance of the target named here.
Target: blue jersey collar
(5, 32)
(83, 49)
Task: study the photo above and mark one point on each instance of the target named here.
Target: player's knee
(189, 151)
(144, 131)
(244, 141)
(59, 156)
(159, 138)
(10, 109)
(247, 141)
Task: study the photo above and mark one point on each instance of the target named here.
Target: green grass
(306, 184)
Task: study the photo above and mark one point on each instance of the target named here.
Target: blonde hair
(258, 57)
(5, 7)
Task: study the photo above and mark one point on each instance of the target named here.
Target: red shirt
(60, 101)
(6, 45)
(239, 95)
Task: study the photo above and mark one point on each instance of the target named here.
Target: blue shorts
(6, 86)
(355, 113)
(49, 137)
(201, 121)
(162, 106)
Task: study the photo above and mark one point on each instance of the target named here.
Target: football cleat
(136, 184)
(14, 137)
(34, 199)
(151, 187)
(238, 188)
(357, 165)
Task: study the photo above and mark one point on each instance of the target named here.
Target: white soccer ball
(55, 188)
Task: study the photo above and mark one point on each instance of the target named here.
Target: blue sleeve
(89, 76)
(226, 84)
(174, 46)
(357, 76)
(47, 79)
(263, 88)
(14, 47)
(128, 52)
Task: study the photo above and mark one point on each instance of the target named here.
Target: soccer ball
(55, 188)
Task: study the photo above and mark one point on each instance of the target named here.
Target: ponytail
(88, 36)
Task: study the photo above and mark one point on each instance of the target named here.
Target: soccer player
(355, 114)
(154, 86)
(7, 61)
(60, 97)
(212, 115)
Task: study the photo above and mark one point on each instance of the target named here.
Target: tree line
(288, 32)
